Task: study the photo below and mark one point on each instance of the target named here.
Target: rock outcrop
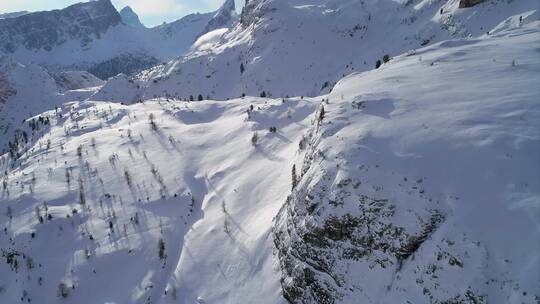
(130, 18)
(469, 3)
(83, 22)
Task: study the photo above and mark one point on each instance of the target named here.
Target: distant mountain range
(13, 14)
(94, 36)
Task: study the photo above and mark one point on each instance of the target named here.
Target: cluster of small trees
(63, 290)
(265, 94)
(386, 58)
(199, 98)
(161, 250)
(35, 124)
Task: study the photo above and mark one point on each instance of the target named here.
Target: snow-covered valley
(416, 182)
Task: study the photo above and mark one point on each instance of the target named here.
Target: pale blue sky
(151, 12)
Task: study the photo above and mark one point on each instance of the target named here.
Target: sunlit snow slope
(167, 201)
(298, 47)
(421, 182)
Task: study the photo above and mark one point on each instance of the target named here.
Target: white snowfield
(295, 49)
(168, 201)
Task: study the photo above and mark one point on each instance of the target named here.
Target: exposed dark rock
(44, 30)
(130, 18)
(125, 63)
(73, 80)
(252, 11)
(469, 3)
(6, 89)
(223, 17)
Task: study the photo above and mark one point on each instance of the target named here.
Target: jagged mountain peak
(223, 17)
(48, 29)
(229, 5)
(130, 17)
(94, 9)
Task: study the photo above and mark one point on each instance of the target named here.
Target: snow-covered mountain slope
(292, 48)
(178, 37)
(419, 183)
(24, 91)
(74, 80)
(92, 36)
(28, 90)
(114, 185)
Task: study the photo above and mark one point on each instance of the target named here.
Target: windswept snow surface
(100, 183)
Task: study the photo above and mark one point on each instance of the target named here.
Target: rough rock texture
(469, 3)
(129, 17)
(223, 17)
(252, 11)
(125, 63)
(6, 87)
(340, 220)
(44, 30)
(6, 90)
(73, 80)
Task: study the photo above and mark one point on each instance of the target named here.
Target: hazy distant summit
(131, 18)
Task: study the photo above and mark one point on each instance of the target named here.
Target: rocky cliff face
(130, 18)
(223, 17)
(83, 22)
(7, 89)
(73, 80)
(469, 3)
(252, 11)
(342, 220)
(123, 63)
